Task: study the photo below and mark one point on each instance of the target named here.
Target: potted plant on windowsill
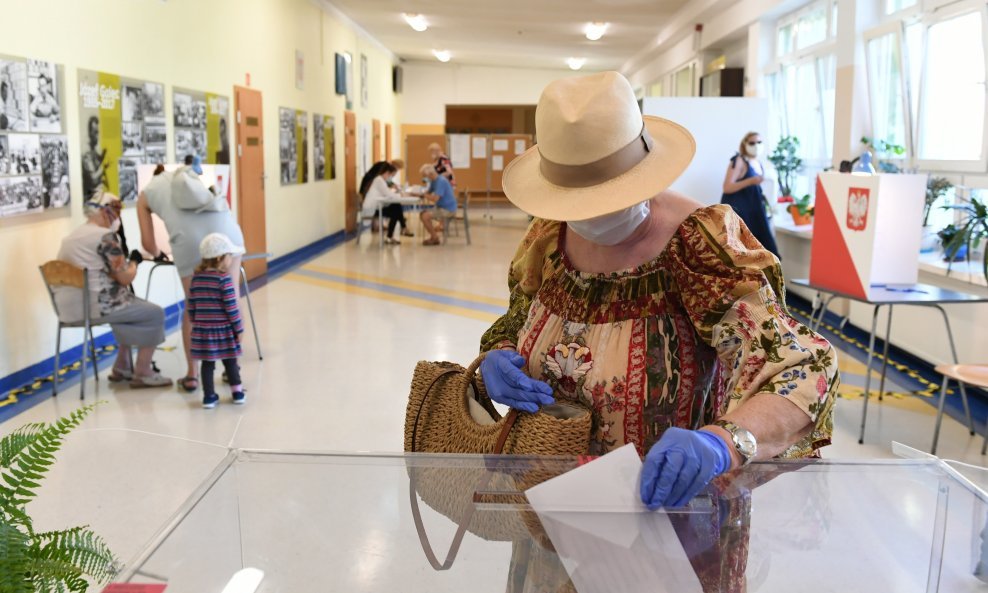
(787, 164)
(966, 239)
(801, 211)
(884, 150)
(936, 188)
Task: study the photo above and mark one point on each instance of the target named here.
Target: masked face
(613, 228)
(115, 225)
(753, 147)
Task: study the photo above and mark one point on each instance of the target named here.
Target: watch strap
(733, 429)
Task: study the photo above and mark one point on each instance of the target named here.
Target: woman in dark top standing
(743, 190)
(441, 162)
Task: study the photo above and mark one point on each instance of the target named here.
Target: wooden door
(387, 142)
(376, 142)
(350, 169)
(250, 177)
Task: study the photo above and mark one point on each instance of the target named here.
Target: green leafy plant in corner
(973, 228)
(51, 561)
(786, 162)
(936, 188)
(884, 150)
(803, 205)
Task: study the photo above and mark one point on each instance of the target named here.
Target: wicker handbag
(449, 412)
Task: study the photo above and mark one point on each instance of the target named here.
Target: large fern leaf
(79, 547)
(13, 560)
(15, 442)
(22, 477)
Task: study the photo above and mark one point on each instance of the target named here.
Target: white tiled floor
(338, 361)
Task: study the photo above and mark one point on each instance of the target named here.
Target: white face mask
(613, 228)
(115, 225)
(753, 151)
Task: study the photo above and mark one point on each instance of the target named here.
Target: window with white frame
(951, 130)
(897, 5)
(802, 91)
(886, 87)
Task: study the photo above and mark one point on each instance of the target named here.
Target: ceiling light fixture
(595, 30)
(442, 55)
(416, 21)
(575, 63)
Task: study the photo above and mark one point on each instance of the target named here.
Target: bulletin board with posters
(34, 152)
(324, 146)
(293, 146)
(201, 126)
(122, 123)
(504, 149)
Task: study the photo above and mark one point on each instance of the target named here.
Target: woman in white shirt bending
(380, 192)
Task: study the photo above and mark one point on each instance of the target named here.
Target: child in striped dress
(216, 323)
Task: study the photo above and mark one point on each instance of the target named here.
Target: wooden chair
(968, 374)
(56, 274)
(461, 215)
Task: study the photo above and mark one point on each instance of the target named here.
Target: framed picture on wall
(363, 80)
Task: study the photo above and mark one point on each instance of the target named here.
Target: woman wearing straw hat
(667, 317)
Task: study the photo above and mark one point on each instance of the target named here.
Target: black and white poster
(55, 170)
(44, 106)
(13, 94)
(122, 124)
(21, 195)
(201, 126)
(287, 146)
(25, 154)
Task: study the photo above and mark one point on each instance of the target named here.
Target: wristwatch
(744, 441)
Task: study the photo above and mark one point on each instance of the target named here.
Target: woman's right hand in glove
(507, 384)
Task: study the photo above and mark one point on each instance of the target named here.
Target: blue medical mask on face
(611, 229)
(425, 181)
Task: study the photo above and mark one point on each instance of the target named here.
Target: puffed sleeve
(733, 291)
(524, 280)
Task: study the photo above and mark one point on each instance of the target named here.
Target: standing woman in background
(441, 162)
(743, 190)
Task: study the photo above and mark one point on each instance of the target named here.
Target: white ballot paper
(607, 540)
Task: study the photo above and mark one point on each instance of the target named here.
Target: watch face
(746, 442)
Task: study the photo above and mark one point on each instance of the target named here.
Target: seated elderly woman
(96, 247)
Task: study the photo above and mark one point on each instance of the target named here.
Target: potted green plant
(42, 562)
(884, 150)
(967, 237)
(787, 163)
(801, 211)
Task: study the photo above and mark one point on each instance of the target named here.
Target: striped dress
(215, 316)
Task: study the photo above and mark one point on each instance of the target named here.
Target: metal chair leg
(250, 310)
(885, 354)
(466, 227)
(92, 355)
(871, 354)
(936, 429)
(953, 354)
(82, 370)
(58, 352)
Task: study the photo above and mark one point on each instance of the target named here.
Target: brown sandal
(185, 381)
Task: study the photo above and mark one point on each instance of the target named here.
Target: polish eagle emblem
(857, 208)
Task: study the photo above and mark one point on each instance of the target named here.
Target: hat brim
(672, 151)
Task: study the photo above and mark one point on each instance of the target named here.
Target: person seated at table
(440, 194)
(378, 194)
(95, 247)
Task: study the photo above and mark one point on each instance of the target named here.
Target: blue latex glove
(680, 465)
(507, 384)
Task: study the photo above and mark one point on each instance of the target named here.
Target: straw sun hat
(596, 153)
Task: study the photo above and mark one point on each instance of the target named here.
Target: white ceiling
(520, 33)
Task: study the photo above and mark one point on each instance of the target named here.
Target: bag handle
(454, 546)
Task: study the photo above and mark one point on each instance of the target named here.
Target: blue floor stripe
(405, 292)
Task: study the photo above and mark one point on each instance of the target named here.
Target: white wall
(717, 125)
(430, 86)
(208, 46)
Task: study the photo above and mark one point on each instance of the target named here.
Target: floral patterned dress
(678, 341)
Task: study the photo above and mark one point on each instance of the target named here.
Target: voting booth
(866, 231)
